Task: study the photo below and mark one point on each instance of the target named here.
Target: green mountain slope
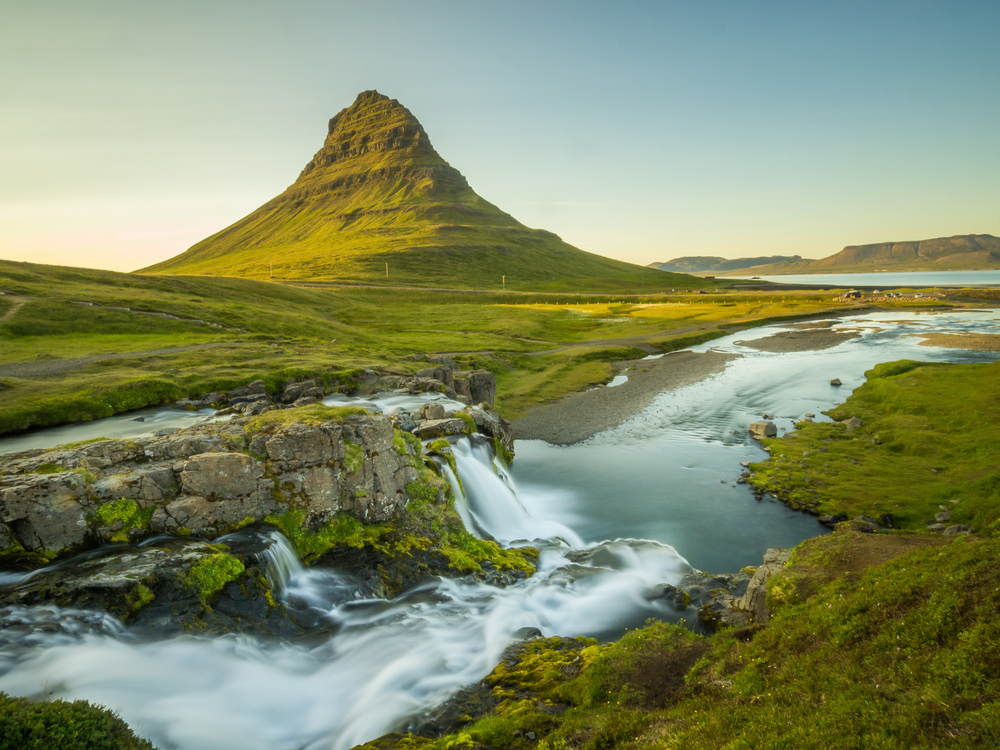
(378, 193)
(963, 252)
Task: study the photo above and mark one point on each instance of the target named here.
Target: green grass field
(315, 329)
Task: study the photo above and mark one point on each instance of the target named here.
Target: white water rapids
(667, 474)
(386, 662)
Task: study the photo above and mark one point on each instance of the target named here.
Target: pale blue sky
(131, 130)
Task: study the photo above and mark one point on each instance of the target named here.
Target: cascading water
(387, 662)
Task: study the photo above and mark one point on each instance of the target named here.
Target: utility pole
(387, 270)
(271, 266)
(504, 280)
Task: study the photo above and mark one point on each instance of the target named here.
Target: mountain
(378, 193)
(702, 263)
(961, 252)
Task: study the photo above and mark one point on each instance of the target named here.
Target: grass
(291, 330)
(311, 414)
(927, 438)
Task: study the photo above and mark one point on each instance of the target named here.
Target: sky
(642, 131)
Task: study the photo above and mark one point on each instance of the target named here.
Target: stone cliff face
(204, 481)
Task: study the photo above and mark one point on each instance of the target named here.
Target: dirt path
(60, 366)
(17, 304)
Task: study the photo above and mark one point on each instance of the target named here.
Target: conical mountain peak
(373, 124)
(378, 196)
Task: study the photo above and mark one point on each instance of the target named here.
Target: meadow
(540, 345)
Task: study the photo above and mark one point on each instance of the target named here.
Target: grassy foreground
(237, 330)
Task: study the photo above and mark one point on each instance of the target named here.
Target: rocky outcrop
(204, 481)
(207, 480)
(763, 429)
(726, 608)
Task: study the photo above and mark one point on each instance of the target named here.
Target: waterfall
(386, 662)
(490, 501)
(281, 561)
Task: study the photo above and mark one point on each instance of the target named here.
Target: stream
(615, 518)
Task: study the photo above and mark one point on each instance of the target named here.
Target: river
(889, 279)
(661, 487)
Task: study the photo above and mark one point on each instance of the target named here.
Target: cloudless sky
(643, 131)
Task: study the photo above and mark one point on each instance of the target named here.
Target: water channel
(615, 517)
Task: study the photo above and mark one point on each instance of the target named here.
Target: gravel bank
(579, 416)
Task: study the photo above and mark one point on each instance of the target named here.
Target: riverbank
(578, 416)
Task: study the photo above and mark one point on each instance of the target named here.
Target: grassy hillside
(378, 193)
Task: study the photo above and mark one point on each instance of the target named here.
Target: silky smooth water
(665, 476)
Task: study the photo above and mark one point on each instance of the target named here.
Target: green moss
(65, 725)
(399, 442)
(354, 457)
(123, 516)
(48, 468)
(342, 530)
(81, 443)
(470, 422)
(138, 598)
(209, 575)
(312, 414)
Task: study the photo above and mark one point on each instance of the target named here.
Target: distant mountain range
(377, 204)
(964, 252)
(707, 263)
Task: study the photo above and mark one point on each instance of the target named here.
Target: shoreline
(578, 416)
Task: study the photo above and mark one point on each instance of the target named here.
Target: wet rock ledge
(349, 488)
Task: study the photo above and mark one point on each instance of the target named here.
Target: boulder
(763, 429)
(958, 529)
(942, 516)
(45, 511)
(255, 391)
(437, 428)
(836, 381)
(851, 423)
(431, 411)
(475, 386)
(221, 475)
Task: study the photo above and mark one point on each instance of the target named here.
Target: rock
(490, 423)
(294, 390)
(404, 421)
(851, 423)
(436, 428)
(888, 521)
(475, 386)
(958, 529)
(836, 381)
(304, 401)
(760, 430)
(255, 391)
(221, 475)
(810, 414)
(745, 464)
(942, 516)
(939, 527)
(44, 511)
(827, 520)
(431, 411)
(139, 419)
